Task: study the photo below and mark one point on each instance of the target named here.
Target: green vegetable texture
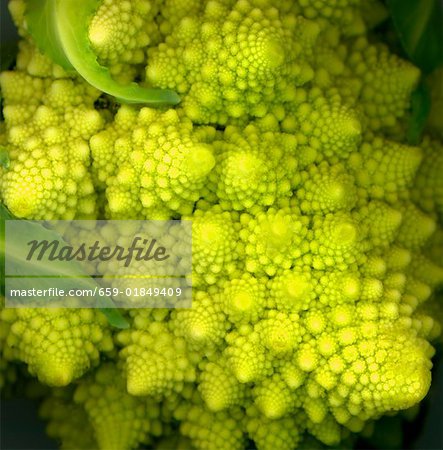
(60, 28)
(282, 130)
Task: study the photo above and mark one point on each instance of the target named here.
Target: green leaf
(420, 108)
(60, 27)
(4, 158)
(115, 318)
(4, 215)
(44, 272)
(419, 24)
(26, 231)
(40, 16)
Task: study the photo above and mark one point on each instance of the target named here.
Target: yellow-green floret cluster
(49, 123)
(316, 228)
(58, 345)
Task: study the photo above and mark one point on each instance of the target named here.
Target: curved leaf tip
(60, 29)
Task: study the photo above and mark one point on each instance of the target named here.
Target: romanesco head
(316, 226)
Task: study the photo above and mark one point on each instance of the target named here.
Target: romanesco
(316, 227)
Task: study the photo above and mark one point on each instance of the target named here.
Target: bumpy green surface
(47, 120)
(317, 236)
(59, 345)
